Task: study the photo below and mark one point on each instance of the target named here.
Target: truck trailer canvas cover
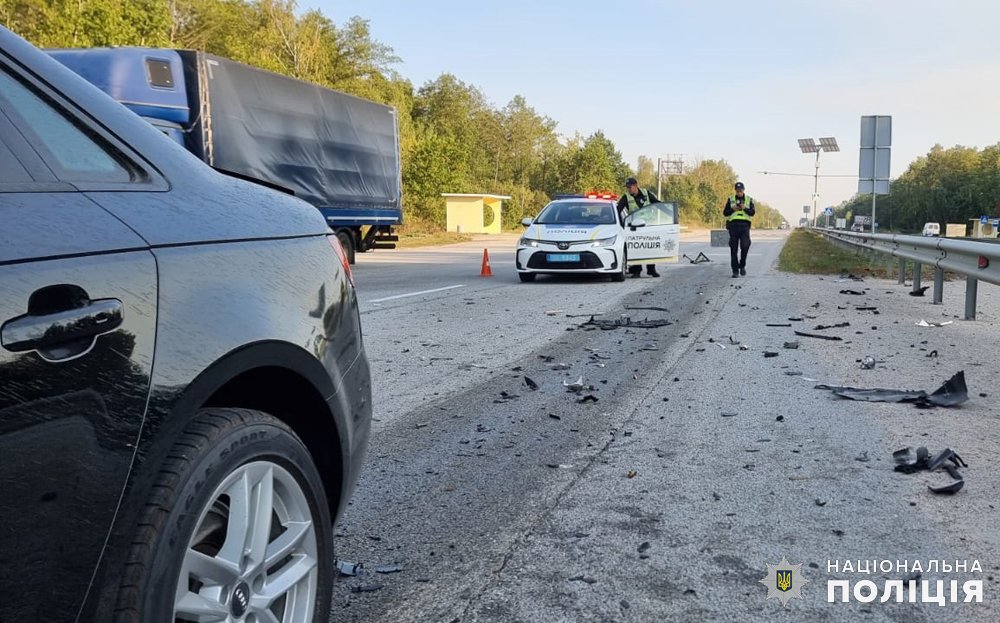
(329, 148)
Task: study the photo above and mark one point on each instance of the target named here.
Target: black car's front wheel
(238, 529)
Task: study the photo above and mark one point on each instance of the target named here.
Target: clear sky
(733, 80)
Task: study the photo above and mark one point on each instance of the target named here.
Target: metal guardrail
(977, 261)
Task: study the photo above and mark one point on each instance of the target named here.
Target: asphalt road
(698, 464)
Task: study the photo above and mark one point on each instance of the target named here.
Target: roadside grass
(808, 252)
(411, 239)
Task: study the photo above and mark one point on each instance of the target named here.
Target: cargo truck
(336, 151)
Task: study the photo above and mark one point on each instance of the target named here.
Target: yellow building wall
(467, 213)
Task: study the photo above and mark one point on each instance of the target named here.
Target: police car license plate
(564, 257)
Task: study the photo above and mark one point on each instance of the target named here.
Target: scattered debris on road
(854, 292)
(587, 398)
(366, 588)
(832, 338)
(924, 323)
(625, 322)
(952, 393)
(575, 387)
(839, 325)
(947, 459)
(350, 569)
(919, 292)
(631, 473)
(583, 578)
(868, 363)
(777, 324)
(533, 386)
(791, 345)
(388, 569)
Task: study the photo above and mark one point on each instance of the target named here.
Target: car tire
(526, 277)
(347, 242)
(620, 275)
(234, 562)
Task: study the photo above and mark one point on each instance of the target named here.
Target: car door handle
(39, 332)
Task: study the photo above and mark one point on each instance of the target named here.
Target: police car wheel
(526, 277)
(620, 275)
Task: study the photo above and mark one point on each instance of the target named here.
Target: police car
(586, 234)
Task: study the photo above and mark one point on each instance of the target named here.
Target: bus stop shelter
(472, 213)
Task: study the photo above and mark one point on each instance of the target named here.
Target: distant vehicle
(783, 225)
(932, 229)
(185, 399)
(586, 234)
(336, 151)
(857, 227)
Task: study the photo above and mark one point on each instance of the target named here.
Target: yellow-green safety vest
(632, 204)
(739, 215)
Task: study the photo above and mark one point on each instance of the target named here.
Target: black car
(185, 400)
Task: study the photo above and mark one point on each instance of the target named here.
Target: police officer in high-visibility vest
(634, 199)
(738, 212)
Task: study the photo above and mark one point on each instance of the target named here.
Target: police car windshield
(577, 213)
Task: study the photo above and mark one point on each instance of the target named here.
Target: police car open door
(657, 237)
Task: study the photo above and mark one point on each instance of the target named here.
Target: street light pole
(810, 146)
(816, 189)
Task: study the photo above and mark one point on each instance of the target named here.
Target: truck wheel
(347, 241)
(237, 527)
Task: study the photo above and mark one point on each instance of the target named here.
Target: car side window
(655, 214)
(72, 154)
(11, 169)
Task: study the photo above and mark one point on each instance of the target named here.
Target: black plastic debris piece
(932, 354)
(793, 373)
(871, 309)
(854, 292)
(954, 487)
(947, 459)
(587, 398)
(952, 393)
(770, 353)
(919, 292)
(839, 325)
(388, 569)
(832, 338)
(583, 578)
(659, 309)
(554, 416)
(780, 418)
(366, 588)
(777, 324)
(728, 414)
(819, 502)
(622, 323)
(533, 386)
(795, 319)
(645, 545)
(791, 345)
(863, 457)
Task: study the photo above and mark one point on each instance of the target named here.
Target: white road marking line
(403, 296)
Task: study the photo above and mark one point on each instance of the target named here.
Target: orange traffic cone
(486, 272)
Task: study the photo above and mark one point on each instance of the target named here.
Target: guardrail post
(917, 267)
(971, 289)
(902, 271)
(938, 286)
